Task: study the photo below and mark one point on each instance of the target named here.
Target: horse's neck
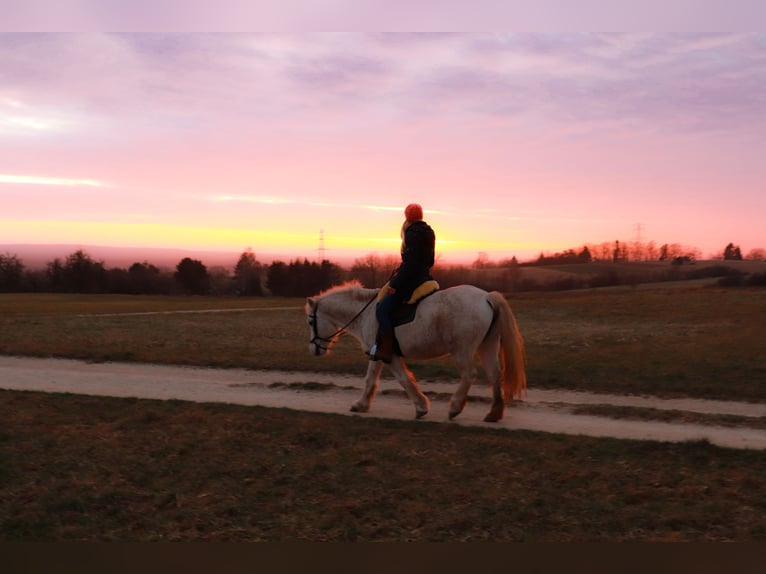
(344, 305)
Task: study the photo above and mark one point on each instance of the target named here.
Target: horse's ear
(310, 302)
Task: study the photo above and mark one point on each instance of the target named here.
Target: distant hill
(36, 256)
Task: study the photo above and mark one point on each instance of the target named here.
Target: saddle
(405, 313)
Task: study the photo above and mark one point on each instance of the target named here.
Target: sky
(513, 143)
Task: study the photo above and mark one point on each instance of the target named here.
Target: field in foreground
(85, 468)
(683, 341)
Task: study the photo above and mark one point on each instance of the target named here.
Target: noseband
(313, 321)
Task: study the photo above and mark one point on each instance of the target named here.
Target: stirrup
(374, 351)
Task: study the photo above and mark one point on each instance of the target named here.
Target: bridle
(316, 339)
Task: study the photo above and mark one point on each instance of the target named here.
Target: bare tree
(368, 270)
(482, 261)
(372, 270)
(732, 253)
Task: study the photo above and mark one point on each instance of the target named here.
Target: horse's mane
(354, 286)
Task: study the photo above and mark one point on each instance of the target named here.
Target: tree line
(80, 273)
(624, 252)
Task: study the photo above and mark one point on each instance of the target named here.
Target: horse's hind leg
(410, 385)
(374, 369)
(467, 377)
(489, 359)
(497, 410)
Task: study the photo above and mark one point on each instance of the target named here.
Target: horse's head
(336, 311)
(323, 331)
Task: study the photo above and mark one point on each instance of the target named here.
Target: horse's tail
(511, 347)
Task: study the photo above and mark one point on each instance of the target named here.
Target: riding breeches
(385, 308)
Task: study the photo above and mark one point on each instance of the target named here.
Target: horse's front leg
(410, 386)
(374, 369)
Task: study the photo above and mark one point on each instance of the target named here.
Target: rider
(418, 241)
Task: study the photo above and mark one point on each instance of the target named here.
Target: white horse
(460, 321)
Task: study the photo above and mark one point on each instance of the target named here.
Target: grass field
(86, 468)
(702, 342)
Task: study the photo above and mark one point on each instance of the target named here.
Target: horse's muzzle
(316, 350)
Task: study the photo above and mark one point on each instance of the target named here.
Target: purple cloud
(673, 82)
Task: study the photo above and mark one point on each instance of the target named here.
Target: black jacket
(417, 259)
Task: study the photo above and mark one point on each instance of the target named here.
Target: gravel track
(541, 410)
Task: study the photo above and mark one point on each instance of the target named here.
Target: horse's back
(462, 297)
(464, 291)
(450, 318)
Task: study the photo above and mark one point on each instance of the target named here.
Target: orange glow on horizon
(451, 246)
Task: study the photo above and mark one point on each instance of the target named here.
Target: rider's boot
(383, 350)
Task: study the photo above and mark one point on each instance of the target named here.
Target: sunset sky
(512, 143)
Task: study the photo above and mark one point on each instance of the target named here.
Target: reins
(316, 338)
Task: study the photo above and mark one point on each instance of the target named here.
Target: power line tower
(321, 249)
(639, 227)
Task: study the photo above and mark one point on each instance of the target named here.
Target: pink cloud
(511, 139)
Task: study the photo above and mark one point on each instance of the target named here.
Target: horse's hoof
(452, 415)
(494, 415)
(420, 414)
(355, 408)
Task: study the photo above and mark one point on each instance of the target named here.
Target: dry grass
(670, 416)
(703, 342)
(86, 468)
(97, 469)
(70, 304)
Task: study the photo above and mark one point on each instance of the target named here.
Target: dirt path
(541, 410)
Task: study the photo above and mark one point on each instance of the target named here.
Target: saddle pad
(421, 291)
(424, 289)
(405, 313)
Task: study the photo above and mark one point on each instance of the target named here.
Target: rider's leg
(384, 344)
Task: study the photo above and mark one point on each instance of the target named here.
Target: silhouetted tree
(601, 251)
(118, 281)
(146, 279)
(373, 270)
(482, 261)
(732, 253)
(514, 274)
(54, 272)
(221, 281)
(77, 274)
(568, 257)
(35, 281)
(682, 260)
(277, 278)
(620, 253)
(302, 278)
(191, 275)
(247, 274)
(11, 271)
(651, 251)
(329, 274)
